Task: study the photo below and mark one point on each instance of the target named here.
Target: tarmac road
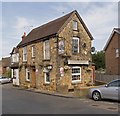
(15, 101)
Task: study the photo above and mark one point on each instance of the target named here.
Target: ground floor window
(76, 74)
(47, 76)
(14, 74)
(27, 74)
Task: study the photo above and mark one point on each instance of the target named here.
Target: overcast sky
(20, 17)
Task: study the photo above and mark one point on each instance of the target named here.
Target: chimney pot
(24, 36)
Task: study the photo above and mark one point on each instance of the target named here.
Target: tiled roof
(118, 29)
(6, 62)
(48, 29)
(115, 30)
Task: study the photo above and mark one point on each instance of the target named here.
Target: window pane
(76, 74)
(47, 77)
(75, 25)
(117, 52)
(75, 45)
(76, 77)
(76, 70)
(24, 53)
(27, 74)
(33, 51)
(46, 50)
(114, 84)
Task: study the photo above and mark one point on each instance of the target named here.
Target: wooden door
(33, 78)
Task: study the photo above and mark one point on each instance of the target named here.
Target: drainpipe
(57, 62)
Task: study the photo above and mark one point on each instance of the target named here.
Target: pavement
(69, 95)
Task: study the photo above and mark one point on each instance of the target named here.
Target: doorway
(33, 75)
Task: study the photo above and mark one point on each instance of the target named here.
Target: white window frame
(45, 76)
(33, 51)
(46, 57)
(24, 53)
(117, 53)
(75, 25)
(26, 72)
(13, 58)
(75, 38)
(75, 81)
(17, 57)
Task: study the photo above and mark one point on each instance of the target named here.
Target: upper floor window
(33, 51)
(46, 50)
(75, 45)
(15, 57)
(25, 54)
(117, 53)
(61, 47)
(75, 25)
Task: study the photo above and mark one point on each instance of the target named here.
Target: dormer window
(75, 25)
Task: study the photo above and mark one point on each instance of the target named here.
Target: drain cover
(112, 108)
(95, 105)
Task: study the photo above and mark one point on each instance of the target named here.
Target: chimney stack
(24, 36)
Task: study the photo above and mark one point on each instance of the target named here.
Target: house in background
(0, 67)
(112, 53)
(15, 66)
(6, 67)
(57, 55)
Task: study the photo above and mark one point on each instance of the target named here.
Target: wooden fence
(101, 77)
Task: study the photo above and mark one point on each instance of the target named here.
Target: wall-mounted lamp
(49, 67)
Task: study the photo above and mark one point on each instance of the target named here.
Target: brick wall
(112, 63)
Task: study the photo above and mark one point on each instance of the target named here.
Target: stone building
(57, 55)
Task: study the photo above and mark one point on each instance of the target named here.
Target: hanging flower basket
(66, 67)
(89, 69)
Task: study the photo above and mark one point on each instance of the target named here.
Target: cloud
(23, 24)
(60, 1)
(102, 20)
(61, 8)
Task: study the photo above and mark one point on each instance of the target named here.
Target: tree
(99, 59)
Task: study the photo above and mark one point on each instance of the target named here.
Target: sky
(19, 17)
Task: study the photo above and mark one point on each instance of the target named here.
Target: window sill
(27, 81)
(47, 83)
(33, 57)
(75, 82)
(46, 59)
(75, 53)
(76, 30)
(24, 61)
